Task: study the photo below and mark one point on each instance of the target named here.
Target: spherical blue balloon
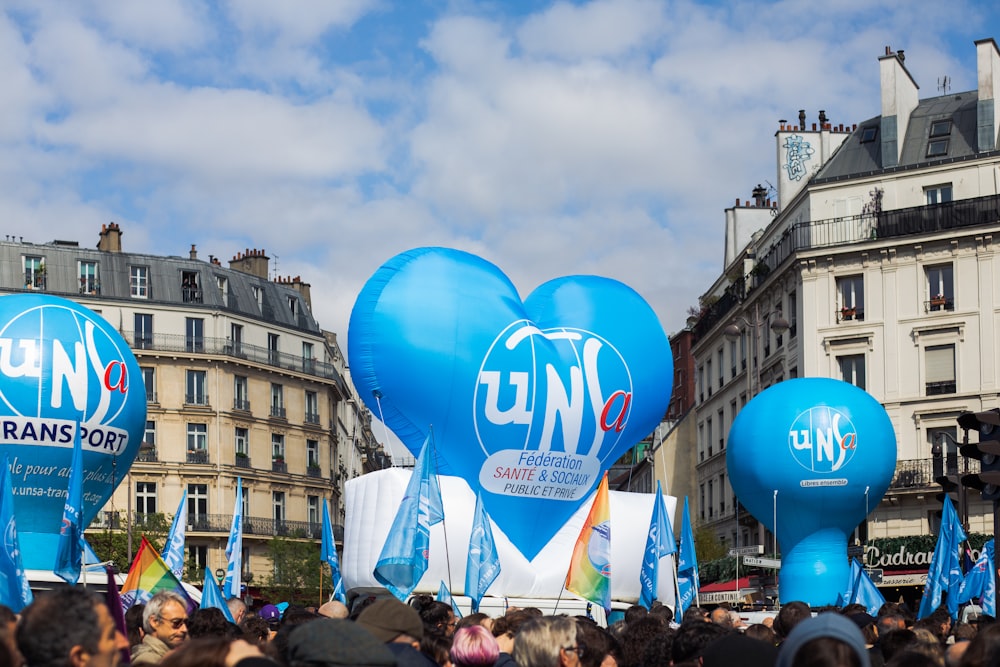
(530, 402)
(816, 455)
(64, 371)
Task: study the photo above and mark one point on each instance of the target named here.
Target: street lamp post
(776, 322)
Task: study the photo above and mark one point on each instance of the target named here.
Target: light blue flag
(483, 564)
(944, 574)
(15, 589)
(404, 556)
(69, 553)
(444, 595)
(234, 549)
(328, 553)
(90, 558)
(659, 543)
(688, 582)
(211, 596)
(979, 582)
(862, 590)
(173, 550)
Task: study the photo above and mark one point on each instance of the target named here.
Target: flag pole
(444, 521)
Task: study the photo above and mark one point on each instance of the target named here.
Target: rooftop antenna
(944, 84)
(274, 277)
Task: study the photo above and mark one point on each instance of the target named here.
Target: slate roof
(856, 159)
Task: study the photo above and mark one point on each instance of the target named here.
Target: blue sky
(551, 138)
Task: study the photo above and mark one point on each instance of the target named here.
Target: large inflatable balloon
(64, 371)
(528, 401)
(814, 455)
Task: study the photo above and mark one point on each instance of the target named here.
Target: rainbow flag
(589, 573)
(148, 576)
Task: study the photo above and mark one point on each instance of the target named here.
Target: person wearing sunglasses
(165, 622)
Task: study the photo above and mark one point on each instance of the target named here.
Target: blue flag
(328, 553)
(69, 554)
(483, 564)
(404, 556)
(15, 590)
(979, 582)
(234, 549)
(444, 595)
(211, 596)
(862, 590)
(659, 543)
(944, 574)
(90, 557)
(173, 550)
(687, 566)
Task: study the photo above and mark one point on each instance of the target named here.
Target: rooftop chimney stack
(759, 195)
(987, 110)
(802, 119)
(194, 252)
(110, 238)
(899, 99)
(255, 262)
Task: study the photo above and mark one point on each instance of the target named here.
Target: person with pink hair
(474, 646)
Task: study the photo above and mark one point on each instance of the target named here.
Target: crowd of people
(73, 628)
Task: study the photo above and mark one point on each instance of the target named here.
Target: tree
(295, 573)
(112, 545)
(707, 545)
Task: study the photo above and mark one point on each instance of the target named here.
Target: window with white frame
(940, 287)
(142, 324)
(241, 393)
(197, 502)
(314, 510)
(223, 284)
(139, 281)
(277, 400)
(89, 281)
(149, 380)
(278, 498)
(851, 297)
(312, 453)
(277, 446)
(938, 194)
(34, 272)
(194, 334)
(149, 437)
(939, 367)
(312, 407)
(145, 497)
(196, 383)
(197, 437)
(852, 369)
(241, 440)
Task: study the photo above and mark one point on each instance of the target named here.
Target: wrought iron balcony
(197, 456)
(241, 404)
(278, 411)
(312, 418)
(849, 230)
(314, 471)
(147, 455)
(243, 461)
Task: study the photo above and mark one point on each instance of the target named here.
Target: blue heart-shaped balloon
(529, 402)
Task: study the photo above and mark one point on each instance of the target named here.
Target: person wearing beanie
(400, 627)
(833, 635)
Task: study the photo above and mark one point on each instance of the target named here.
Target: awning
(726, 591)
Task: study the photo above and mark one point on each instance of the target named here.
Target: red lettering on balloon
(618, 424)
(122, 383)
(849, 441)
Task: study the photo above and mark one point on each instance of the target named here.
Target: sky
(551, 138)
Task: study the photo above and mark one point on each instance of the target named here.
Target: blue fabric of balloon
(527, 401)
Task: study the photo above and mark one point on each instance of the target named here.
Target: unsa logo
(559, 389)
(59, 361)
(822, 439)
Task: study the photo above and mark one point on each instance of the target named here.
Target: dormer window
(869, 133)
(190, 287)
(939, 137)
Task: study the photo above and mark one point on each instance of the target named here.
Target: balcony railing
(278, 411)
(146, 455)
(241, 404)
(940, 303)
(237, 350)
(918, 473)
(243, 461)
(314, 471)
(279, 466)
(196, 399)
(849, 230)
(197, 456)
(312, 418)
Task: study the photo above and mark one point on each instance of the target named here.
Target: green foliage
(113, 544)
(707, 545)
(295, 573)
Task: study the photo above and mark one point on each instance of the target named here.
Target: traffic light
(945, 469)
(987, 450)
